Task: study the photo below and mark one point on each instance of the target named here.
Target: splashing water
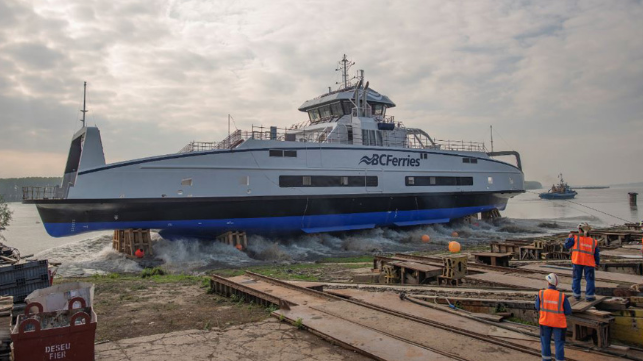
(95, 255)
(88, 257)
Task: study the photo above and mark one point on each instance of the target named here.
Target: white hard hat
(552, 279)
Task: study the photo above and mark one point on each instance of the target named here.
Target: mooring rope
(588, 207)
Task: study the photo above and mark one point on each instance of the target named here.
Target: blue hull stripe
(276, 225)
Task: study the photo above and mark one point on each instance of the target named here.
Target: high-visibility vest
(552, 312)
(583, 251)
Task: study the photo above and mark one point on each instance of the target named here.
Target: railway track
(485, 338)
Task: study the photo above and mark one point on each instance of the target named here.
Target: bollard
(633, 198)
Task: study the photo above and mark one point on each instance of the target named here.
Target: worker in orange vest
(585, 258)
(553, 306)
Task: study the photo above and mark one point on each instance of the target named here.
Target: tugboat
(559, 191)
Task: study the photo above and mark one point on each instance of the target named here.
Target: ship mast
(343, 66)
(84, 103)
(491, 127)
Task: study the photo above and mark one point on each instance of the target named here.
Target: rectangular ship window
(290, 153)
(490, 180)
(245, 180)
(466, 160)
(286, 181)
(186, 182)
(276, 153)
(439, 181)
(474, 160)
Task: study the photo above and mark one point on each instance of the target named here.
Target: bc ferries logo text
(388, 159)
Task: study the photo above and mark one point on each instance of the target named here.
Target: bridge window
(286, 181)
(439, 181)
(325, 111)
(348, 106)
(336, 109)
(470, 160)
(313, 114)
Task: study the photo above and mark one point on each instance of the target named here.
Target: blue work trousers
(577, 272)
(559, 342)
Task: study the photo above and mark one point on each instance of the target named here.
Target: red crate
(68, 343)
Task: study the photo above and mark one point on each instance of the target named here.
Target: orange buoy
(454, 234)
(426, 238)
(239, 247)
(454, 247)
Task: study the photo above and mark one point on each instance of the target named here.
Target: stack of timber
(454, 270)
(634, 226)
(392, 270)
(6, 309)
(128, 241)
(239, 240)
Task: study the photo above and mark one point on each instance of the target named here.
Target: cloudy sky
(560, 81)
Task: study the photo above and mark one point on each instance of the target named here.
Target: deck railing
(413, 140)
(37, 193)
(459, 145)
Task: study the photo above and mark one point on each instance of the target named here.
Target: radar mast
(344, 65)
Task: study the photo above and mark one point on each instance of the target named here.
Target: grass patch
(521, 321)
(119, 278)
(358, 259)
(299, 323)
(149, 272)
(298, 272)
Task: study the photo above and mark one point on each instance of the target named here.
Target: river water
(526, 215)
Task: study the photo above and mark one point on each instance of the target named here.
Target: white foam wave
(94, 255)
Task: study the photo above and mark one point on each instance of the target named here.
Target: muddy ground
(130, 306)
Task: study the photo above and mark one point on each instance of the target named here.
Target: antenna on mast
(343, 66)
(491, 127)
(84, 103)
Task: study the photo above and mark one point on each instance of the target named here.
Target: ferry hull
(210, 217)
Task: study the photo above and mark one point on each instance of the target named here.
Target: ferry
(350, 165)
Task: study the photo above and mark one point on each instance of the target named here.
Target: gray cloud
(164, 72)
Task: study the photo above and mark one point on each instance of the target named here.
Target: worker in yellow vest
(585, 258)
(552, 307)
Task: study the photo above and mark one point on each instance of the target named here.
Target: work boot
(577, 298)
(590, 299)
